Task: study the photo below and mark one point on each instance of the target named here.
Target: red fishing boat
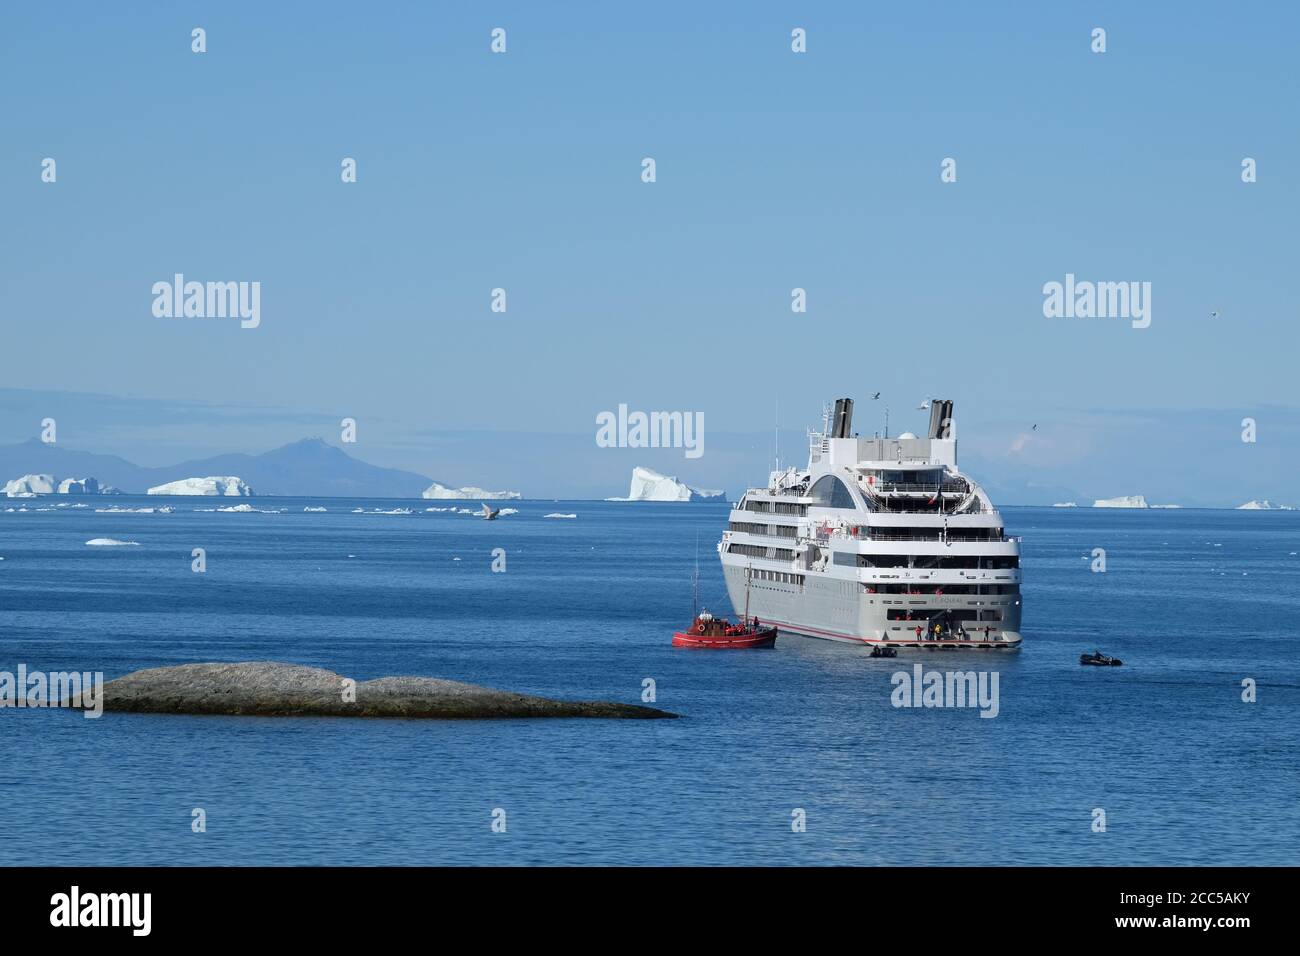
(715, 633)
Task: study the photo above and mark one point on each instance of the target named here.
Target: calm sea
(1185, 771)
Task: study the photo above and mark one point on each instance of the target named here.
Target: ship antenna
(695, 581)
(776, 433)
(886, 419)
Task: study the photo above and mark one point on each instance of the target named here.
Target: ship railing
(948, 487)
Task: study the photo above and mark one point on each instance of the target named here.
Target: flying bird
(923, 406)
(876, 396)
(1214, 315)
(1034, 429)
(489, 514)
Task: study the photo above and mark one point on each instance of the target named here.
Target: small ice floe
(455, 559)
(559, 514)
(315, 509)
(391, 511)
(358, 511)
(239, 509)
(507, 511)
(111, 543)
(118, 510)
(351, 555)
(439, 509)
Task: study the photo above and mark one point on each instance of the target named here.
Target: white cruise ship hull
(830, 609)
(878, 541)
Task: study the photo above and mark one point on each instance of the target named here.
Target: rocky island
(267, 689)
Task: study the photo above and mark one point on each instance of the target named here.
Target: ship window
(830, 492)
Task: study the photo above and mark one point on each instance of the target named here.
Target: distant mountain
(310, 467)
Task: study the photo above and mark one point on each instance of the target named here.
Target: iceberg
(112, 543)
(1263, 504)
(1066, 504)
(29, 486)
(228, 487)
(79, 486)
(648, 485)
(443, 493)
(1125, 501)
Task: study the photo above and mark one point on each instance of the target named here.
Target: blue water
(1193, 601)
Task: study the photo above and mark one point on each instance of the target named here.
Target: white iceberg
(79, 486)
(559, 514)
(228, 487)
(1166, 506)
(309, 508)
(1125, 501)
(443, 493)
(1263, 504)
(1066, 504)
(648, 485)
(28, 486)
(111, 543)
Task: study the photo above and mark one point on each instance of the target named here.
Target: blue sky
(775, 170)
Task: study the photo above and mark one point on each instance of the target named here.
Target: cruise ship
(879, 541)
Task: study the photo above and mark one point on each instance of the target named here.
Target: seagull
(876, 396)
(923, 406)
(489, 514)
(1214, 315)
(1034, 429)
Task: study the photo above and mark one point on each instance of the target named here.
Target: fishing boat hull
(763, 637)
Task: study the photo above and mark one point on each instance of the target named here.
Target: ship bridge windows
(923, 476)
(830, 492)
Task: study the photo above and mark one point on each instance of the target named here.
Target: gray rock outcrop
(263, 688)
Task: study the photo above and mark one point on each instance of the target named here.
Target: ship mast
(749, 568)
(695, 581)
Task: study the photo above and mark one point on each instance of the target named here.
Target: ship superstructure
(878, 541)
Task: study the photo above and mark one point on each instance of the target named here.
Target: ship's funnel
(843, 419)
(941, 425)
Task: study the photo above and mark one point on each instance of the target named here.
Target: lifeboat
(1099, 660)
(716, 633)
